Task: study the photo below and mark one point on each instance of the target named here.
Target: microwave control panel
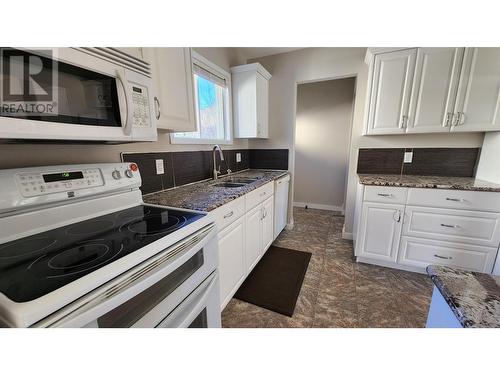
(140, 103)
(35, 184)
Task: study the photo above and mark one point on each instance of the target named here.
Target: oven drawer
(385, 194)
(420, 252)
(479, 228)
(229, 213)
(259, 195)
(456, 199)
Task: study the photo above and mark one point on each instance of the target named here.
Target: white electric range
(79, 248)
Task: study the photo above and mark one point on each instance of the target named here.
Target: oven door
(75, 95)
(149, 293)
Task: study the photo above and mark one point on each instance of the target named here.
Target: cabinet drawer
(420, 252)
(228, 213)
(385, 194)
(259, 195)
(457, 199)
(480, 228)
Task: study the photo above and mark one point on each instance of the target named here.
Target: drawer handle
(228, 215)
(442, 257)
(384, 195)
(451, 226)
(455, 199)
(262, 194)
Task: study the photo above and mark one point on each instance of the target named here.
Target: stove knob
(116, 175)
(129, 173)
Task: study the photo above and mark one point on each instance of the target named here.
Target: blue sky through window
(206, 93)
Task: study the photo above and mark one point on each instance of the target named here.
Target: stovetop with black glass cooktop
(33, 266)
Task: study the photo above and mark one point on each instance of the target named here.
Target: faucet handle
(229, 171)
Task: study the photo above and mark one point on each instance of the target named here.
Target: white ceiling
(254, 52)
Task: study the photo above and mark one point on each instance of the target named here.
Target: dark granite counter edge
(448, 298)
(285, 172)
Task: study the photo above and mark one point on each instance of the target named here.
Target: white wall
(488, 168)
(23, 155)
(313, 64)
(322, 134)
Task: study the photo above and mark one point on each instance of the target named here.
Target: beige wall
(322, 134)
(313, 64)
(488, 168)
(23, 155)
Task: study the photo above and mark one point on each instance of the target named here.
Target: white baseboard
(319, 206)
(347, 235)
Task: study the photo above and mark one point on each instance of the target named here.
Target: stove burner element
(25, 247)
(78, 256)
(90, 227)
(157, 224)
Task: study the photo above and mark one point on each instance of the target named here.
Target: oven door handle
(127, 125)
(193, 305)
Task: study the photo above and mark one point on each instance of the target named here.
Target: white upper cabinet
(172, 74)
(434, 90)
(390, 91)
(250, 86)
(478, 99)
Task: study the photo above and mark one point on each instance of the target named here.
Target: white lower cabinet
(419, 231)
(253, 222)
(232, 270)
(380, 231)
(246, 228)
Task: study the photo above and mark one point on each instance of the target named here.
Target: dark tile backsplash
(269, 159)
(185, 167)
(450, 162)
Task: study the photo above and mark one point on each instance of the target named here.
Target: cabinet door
(262, 107)
(232, 270)
(253, 227)
(434, 89)
(267, 223)
(380, 231)
(390, 92)
(478, 98)
(173, 81)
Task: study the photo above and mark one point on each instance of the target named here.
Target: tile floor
(338, 292)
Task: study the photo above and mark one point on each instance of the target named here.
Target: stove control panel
(40, 183)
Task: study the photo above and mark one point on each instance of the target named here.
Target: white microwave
(75, 94)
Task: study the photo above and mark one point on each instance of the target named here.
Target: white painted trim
(319, 206)
(347, 235)
(382, 263)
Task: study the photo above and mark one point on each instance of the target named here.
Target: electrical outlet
(238, 157)
(408, 157)
(159, 166)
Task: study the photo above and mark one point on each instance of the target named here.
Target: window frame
(200, 60)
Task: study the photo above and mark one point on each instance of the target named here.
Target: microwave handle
(127, 126)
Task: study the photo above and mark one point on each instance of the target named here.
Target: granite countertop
(204, 196)
(473, 297)
(433, 182)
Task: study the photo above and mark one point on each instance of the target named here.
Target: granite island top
(432, 182)
(205, 196)
(473, 297)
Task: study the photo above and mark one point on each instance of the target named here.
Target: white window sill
(198, 141)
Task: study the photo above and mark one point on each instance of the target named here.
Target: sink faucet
(217, 170)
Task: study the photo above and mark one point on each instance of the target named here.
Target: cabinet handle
(384, 195)
(442, 257)
(157, 105)
(397, 218)
(403, 121)
(228, 215)
(265, 212)
(455, 199)
(451, 226)
(461, 118)
(262, 194)
(447, 121)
